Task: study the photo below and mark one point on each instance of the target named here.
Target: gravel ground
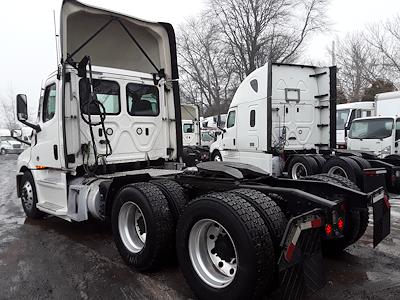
(55, 259)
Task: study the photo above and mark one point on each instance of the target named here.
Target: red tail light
(340, 224)
(328, 229)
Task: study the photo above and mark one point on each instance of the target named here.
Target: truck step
(52, 208)
(322, 107)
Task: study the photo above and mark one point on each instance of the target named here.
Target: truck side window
(107, 92)
(231, 119)
(49, 103)
(397, 130)
(188, 128)
(143, 100)
(252, 118)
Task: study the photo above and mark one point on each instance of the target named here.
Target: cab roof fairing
(112, 47)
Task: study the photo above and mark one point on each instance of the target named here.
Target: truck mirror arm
(21, 141)
(33, 126)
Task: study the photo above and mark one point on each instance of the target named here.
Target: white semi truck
(346, 113)
(108, 145)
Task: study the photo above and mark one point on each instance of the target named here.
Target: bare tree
(207, 73)
(259, 30)
(385, 38)
(8, 110)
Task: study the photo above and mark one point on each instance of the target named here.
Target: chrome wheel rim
(27, 195)
(132, 227)
(337, 171)
(299, 170)
(217, 158)
(213, 253)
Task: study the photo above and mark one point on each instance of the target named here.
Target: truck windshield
(371, 129)
(341, 118)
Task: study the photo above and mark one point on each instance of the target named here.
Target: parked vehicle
(377, 139)
(300, 138)
(106, 147)
(7, 144)
(346, 113)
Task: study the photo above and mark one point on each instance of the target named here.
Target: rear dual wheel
(305, 165)
(225, 248)
(350, 167)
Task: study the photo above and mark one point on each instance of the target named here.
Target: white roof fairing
(113, 47)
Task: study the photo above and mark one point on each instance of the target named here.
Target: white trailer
(346, 113)
(108, 145)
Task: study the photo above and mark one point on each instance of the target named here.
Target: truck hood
(109, 39)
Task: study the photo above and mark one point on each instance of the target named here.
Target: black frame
(127, 100)
(45, 102)
(119, 97)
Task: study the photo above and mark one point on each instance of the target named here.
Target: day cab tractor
(107, 145)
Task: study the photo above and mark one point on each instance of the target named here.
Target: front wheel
(29, 196)
(216, 156)
(3, 151)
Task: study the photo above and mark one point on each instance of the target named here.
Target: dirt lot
(54, 259)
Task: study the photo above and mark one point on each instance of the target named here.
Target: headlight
(386, 151)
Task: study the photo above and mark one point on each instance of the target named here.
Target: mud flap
(381, 211)
(301, 269)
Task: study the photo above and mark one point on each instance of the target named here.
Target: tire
(3, 152)
(319, 160)
(345, 167)
(301, 166)
(216, 156)
(175, 196)
(356, 220)
(247, 232)
(363, 163)
(269, 211)
(29, 196)
(147, 203)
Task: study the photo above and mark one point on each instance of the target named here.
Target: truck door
(229, 140)
(45, 144)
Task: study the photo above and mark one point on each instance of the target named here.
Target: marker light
(328, 229)
(340, 224)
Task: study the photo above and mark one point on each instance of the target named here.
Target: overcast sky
(27, 34)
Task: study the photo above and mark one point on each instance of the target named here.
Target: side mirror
(22, 112)
(22, 108)
(16, 133)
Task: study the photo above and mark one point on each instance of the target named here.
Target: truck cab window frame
(230, 122)
(142, 100)
(49, 103)
(108, 92)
